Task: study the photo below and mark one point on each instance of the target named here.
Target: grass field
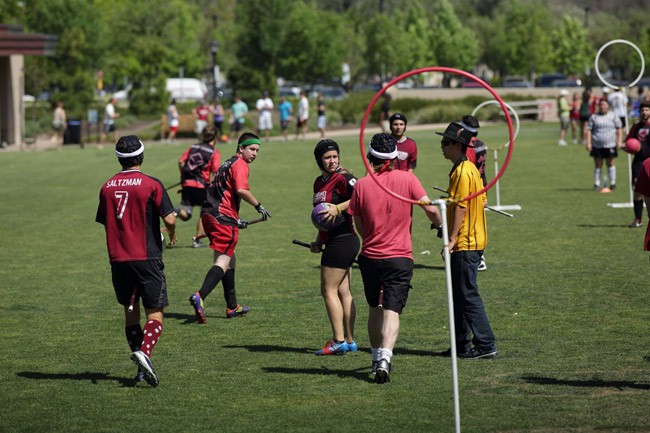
(566, 290)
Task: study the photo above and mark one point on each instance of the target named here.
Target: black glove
(439, 228)
(242, 224)
(261, 209)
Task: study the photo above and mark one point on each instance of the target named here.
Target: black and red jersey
(130, 207)
(335, 188)
(641, 131)
(407, 154)
(477, 155)
(200, 161)
(222, 200)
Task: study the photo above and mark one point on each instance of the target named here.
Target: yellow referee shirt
(465, 180)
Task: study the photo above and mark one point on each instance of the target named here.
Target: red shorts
(173, 129)
(223, 238)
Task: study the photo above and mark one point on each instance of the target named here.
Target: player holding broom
(130, 207)
(220, 217)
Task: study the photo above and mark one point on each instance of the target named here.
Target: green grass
(566, 291)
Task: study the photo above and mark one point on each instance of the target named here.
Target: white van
(183, 89)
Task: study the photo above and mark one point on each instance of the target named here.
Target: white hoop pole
(608, 84)
(450, 307)
(496, 162)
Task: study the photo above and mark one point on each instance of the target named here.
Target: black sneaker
(383, 371)
(479, 354)
(447, 353)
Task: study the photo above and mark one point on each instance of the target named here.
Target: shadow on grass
(421, 266)
(310, 351)
(186, 318)
(592, 383)
(602, 226)
(361, 374)
(92, 377)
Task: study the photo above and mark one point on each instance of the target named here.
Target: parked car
(328, 92)
(516, 81)
(546, 80)
(569, 82)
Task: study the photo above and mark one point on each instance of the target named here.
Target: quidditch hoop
(450, 71)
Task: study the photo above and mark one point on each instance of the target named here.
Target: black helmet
(323, 147)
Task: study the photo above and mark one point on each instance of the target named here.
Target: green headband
(249, 142)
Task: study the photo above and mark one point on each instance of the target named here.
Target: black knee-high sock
(212, 278)
(228, 282)
(638, 209)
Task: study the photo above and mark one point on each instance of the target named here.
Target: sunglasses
(446, 143)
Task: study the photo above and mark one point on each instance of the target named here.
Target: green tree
(572, 53)
(321, 50)
(453, 43)
(522, 43)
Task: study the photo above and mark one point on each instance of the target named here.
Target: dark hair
(384, 143)
(644, 104)
(128, 144)
(322, 147)
(208, 134)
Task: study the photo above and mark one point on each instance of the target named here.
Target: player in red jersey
(407, 150)
(386, 259)
(640, 131)
(220, 216)
(130, 207)
(334, 186)
(197, 164)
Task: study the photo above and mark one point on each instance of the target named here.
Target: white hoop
(512, 110)
(623, 41)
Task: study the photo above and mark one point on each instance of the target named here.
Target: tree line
(307, 41)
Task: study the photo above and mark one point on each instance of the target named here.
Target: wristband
(338, 209)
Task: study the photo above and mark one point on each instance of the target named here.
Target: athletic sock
(134, 336)
(375, 353)
(597, 176)
(212, 278)
(152, 332)
(612, 175)
(638, 209)
(229, 295)
(386, 354)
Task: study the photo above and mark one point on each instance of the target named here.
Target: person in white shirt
(618, 103)
(264, 106)
(303, 115)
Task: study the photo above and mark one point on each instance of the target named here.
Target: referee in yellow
(467, 239)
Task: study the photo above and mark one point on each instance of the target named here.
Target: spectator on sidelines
(220, 216)
(564, 114)
(238, 112)
(172, 121)
(201, 115)
(384, 113)
(386, 259)
(467, 230)
(109, 122)
(334, 186)
(130, 207)
(575, 117)
(59, 125)
(641, 131)
(264, 106)
(286, 113)
(618, 103)
(604, 137)
(407, 149)
(303, 116)
(217, 116)
(321, 110)
(197, 165)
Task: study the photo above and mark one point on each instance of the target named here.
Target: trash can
(73, 132)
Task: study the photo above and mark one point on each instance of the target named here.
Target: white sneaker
(561, 143)
(482, 266)
(145, 365)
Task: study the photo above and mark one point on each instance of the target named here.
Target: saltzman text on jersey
(124, 182)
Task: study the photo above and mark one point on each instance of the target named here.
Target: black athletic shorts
(340, 251)
(386, 281)
(192, 197)
(604, 152)
(146, 277)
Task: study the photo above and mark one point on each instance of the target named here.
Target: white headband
(132, 154)
(469, 128)
(380, 155)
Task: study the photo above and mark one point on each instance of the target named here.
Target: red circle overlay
(396, 80)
